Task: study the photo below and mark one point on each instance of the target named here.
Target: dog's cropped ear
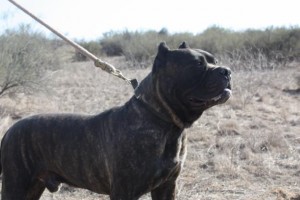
(162, 49)
(160, 59)
(183, 45)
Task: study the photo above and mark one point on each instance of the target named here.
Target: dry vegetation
(248, 148)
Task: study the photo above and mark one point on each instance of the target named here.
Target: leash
(97, 61)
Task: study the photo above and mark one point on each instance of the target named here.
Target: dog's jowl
(126, 151)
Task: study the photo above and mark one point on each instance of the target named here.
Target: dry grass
(248, 148)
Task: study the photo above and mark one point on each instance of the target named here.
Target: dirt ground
(248, 148)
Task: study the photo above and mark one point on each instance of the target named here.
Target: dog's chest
(171, 161)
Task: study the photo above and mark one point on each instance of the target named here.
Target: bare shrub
(112, 48)
(24, 57)
(92, 46)
(298, 81)
(245, 59)
(269, 48)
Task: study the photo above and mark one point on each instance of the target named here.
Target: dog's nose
(225, 71)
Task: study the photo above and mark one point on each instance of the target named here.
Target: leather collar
(171, 116)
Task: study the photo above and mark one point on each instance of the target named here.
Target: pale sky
(89, 19)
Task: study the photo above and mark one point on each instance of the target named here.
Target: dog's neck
(149, 93)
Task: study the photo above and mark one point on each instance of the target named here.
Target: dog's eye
(200, 61)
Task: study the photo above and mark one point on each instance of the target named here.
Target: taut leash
(97, 61)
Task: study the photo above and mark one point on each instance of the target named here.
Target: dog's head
(189, 81)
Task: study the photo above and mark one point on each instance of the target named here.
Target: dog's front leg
(165, 191)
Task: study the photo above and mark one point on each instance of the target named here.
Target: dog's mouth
(218, 99)
(223, 97)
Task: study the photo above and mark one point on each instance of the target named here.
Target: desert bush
(218, 40)
(244, 59)
(279, 44)
(139, 47)
(24, 57)
(298, 81)
(269, 45)
(135, 46)
(111, 44)
(92, 46)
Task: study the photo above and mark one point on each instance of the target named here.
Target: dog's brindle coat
(126, 151)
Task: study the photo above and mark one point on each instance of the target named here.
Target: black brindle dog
(126, 151)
